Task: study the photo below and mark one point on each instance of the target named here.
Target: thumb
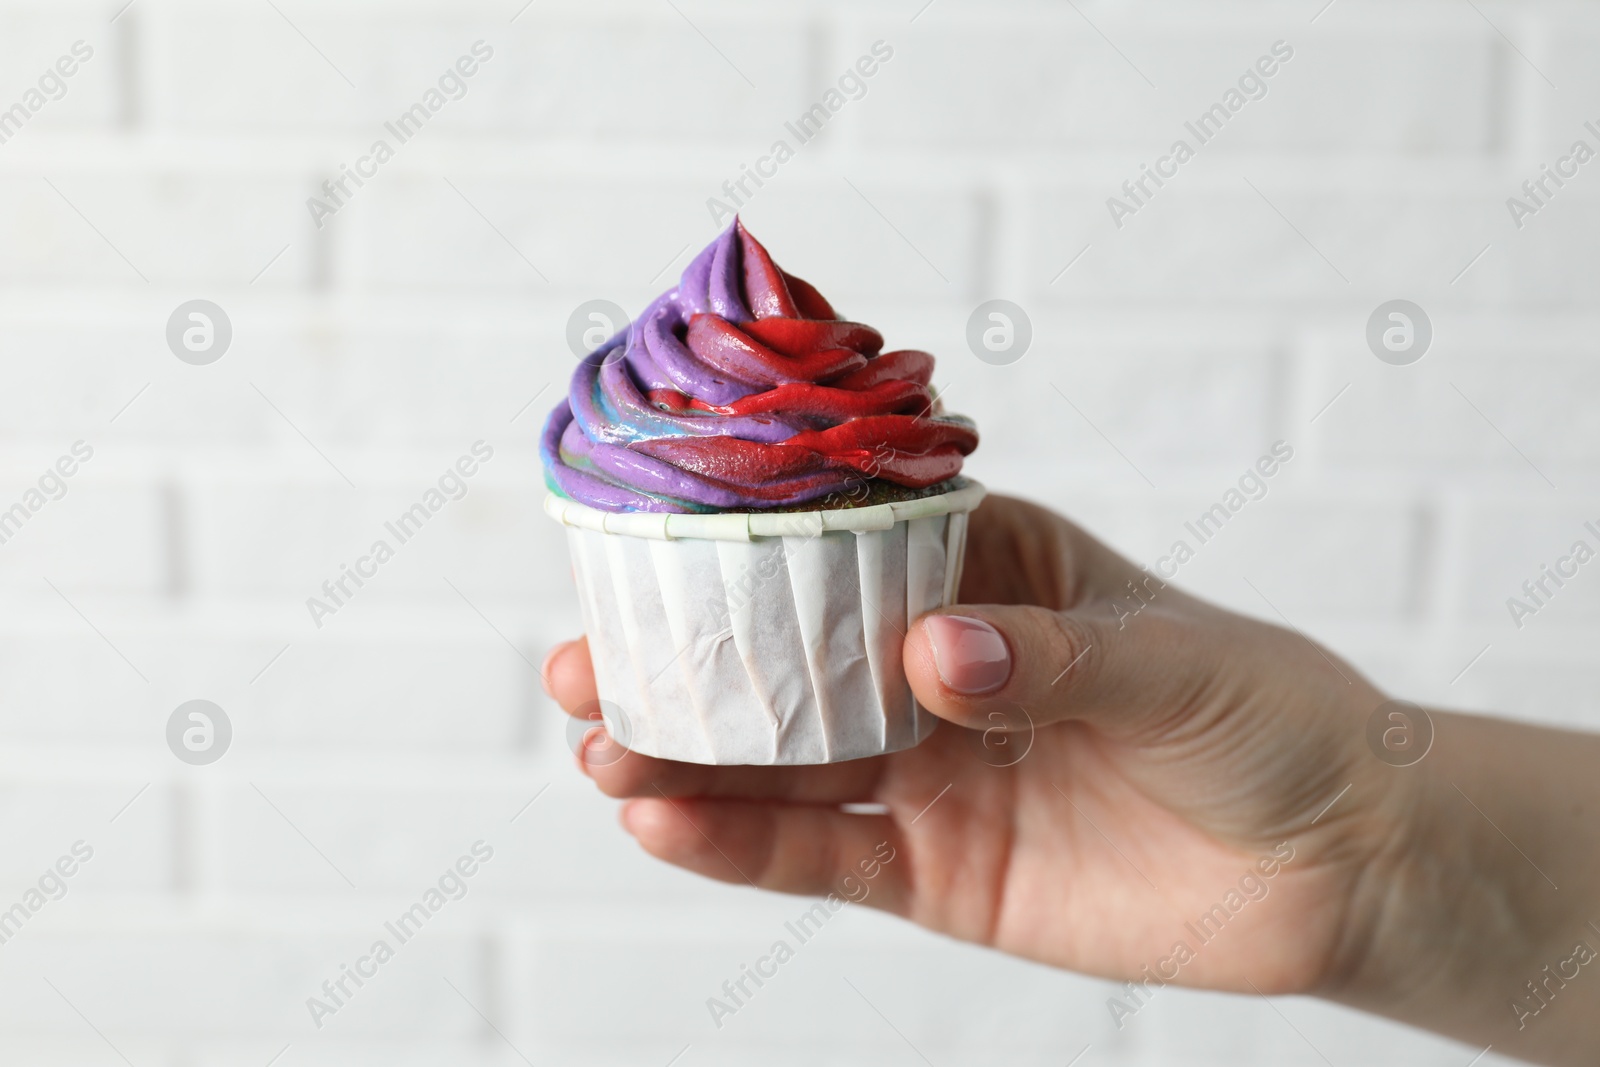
(976, 665)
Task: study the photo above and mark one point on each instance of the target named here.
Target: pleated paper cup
(763, 638)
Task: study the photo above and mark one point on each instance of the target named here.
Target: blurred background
(349, 354)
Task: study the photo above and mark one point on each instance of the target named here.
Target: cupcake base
(763, 638)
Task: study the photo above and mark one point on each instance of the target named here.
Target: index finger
(568, 676)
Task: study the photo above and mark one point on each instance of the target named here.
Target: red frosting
(872, 410)
(742, 388)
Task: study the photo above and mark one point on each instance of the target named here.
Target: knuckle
(617, 780)
(1073, 647)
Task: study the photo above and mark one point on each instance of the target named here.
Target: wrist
(1393, 931)
(1426, 918)
(1459, 906)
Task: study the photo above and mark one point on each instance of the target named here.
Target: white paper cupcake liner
(763, 638)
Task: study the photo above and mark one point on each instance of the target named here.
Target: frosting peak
(742, 388)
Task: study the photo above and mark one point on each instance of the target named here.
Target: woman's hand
(1130, 783)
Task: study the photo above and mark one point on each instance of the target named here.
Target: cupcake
(759, 501)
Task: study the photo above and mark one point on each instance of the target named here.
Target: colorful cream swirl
(742, 389)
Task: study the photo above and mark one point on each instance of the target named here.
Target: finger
(977, 665)
(783, 847)
(620, 773)
(568, 676)
(1020, 553)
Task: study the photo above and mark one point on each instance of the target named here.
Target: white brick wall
(408, 327)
